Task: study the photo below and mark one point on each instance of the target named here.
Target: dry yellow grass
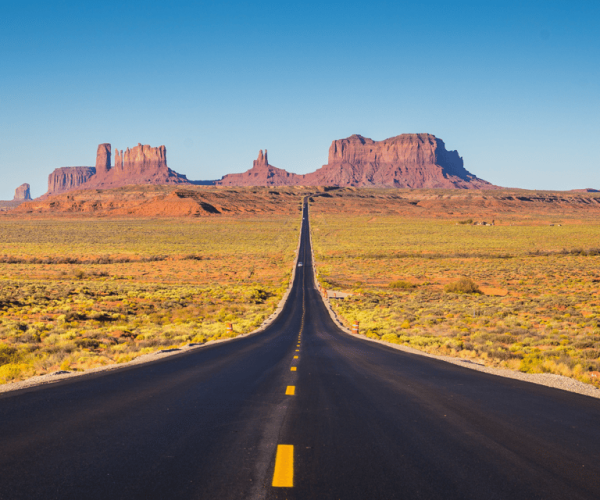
(539, 306)
(75, 294)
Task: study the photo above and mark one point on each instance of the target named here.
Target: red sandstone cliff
(66, 178)
(404, 161)
(23, 193)
(261, 174)
(138, 165)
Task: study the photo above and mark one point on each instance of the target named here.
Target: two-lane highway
(301, 410)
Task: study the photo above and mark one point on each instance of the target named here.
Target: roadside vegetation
(76, 294)
(520, 297)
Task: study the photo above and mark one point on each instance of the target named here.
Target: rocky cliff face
(140, 160)
(23, 193)
(139, 165)
(261, 174)
(142, 164)
(145, 159)
(404, 161)
(66, 178)
(103, 159)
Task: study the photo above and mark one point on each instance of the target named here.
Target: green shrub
(404, 285)
(8, 354)
(258, 296)
(464, 285)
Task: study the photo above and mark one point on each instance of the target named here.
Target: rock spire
(103, 157)
(262, 160)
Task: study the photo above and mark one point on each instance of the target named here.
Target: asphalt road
(365, 422)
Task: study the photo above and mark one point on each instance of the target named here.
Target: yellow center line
(283, 476)
(297, 350)
(291, 390)
(295, 357)
(293, 368)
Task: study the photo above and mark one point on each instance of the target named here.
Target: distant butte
(23, 193)
(404, 161)
(261, 174)
(138, 165)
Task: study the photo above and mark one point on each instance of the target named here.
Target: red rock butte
(138, 165)
(261, 174)
(23, 193)
(404, 161)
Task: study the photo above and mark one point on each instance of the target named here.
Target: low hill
(514, 205)
(164, 201)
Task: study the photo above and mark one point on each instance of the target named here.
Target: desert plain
(82, 290)
(506, 278)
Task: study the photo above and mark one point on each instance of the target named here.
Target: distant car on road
(299, 264)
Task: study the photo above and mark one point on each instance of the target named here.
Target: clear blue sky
(513, 86)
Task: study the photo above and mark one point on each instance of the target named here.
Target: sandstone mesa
(141, 164)
(404, 161)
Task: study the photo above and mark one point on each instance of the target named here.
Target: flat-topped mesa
(404, 148)
(67, 178)
(103, 159)
(404, 161)
(23, 193)
(139, 165)
(141, 159)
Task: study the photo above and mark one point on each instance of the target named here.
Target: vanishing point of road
(299, 411)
